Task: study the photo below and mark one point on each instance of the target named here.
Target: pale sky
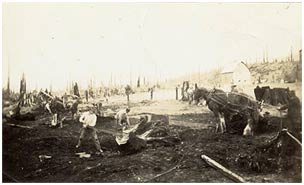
(57, 42)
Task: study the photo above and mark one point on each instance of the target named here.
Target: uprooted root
(282, 154)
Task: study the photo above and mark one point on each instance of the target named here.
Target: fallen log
(294, 138)
(20, 126)
(40, 170)
(164, 173)
(144, 135)
(223, 170)
(17, 113)
(285, 132)
(51, 97)
(6, 110)
(10, 177)
(47, 94)
(169, 139)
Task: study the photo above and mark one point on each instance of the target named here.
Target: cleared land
(178, 163)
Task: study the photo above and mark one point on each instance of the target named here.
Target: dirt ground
(182, 162)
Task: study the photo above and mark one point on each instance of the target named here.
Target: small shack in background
(235, 74)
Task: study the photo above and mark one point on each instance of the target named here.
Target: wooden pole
(223, 170)
(168, 171)
(152, 89)
(291, 59)
(294, 138)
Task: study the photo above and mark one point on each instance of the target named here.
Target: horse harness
(225, 104)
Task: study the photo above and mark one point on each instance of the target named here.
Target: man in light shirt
(88, 119)
(122, 118)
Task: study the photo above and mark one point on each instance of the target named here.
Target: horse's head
(200, 93)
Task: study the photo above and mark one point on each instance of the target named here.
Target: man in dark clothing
(151, 92)
(56, 107)
(74, 109)
(294, 115)
(128, 91)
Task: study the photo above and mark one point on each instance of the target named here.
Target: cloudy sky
(53, 43)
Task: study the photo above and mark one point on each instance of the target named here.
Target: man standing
(54, 108)
(122, 118)
(74, 108)
(128, 91)
(151, 92)
(88, 119)
(294, 115)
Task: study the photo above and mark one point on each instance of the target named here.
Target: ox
(225, 105)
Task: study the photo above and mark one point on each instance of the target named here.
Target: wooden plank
(168, 171)
(222, 169)
(59, 101)
(47, 94)
(10, 177)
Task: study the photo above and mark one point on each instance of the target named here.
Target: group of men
(88, 120)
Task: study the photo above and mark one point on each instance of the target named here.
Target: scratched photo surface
(151, 92)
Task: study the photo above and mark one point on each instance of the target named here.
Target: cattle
(273, 96)
(225, 105)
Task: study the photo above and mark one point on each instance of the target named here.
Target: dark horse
(225, 105)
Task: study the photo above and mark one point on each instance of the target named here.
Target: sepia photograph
(151, 92)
